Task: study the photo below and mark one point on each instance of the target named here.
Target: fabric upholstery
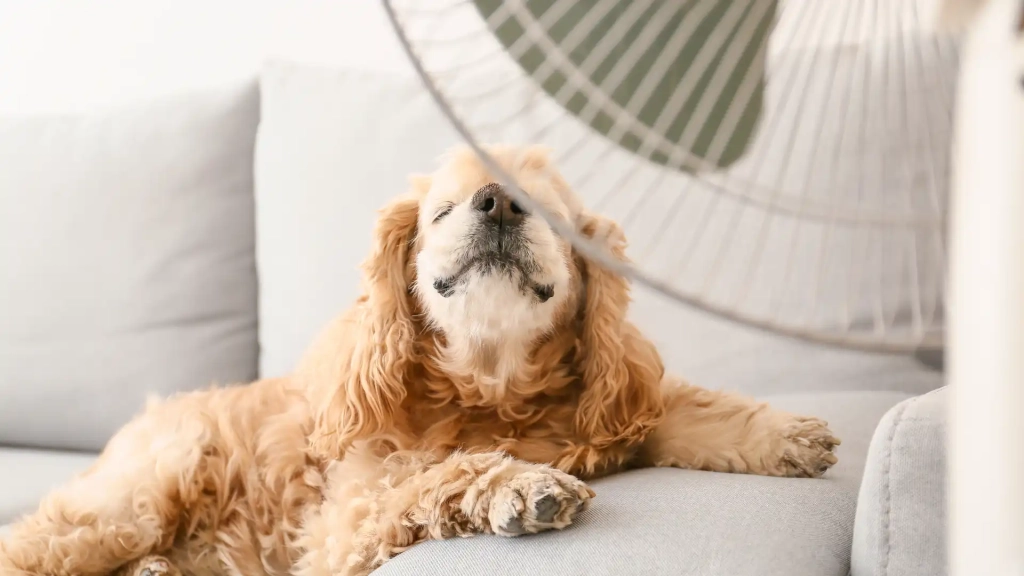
(716, 353)
(126, 261)
(901, 514)
(27, 475)
(667, 521)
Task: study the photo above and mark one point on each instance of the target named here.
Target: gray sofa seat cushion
(647, 522)
(27, 475)
(901, 514)
(667, 521)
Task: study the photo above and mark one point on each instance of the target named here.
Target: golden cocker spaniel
(485, 372)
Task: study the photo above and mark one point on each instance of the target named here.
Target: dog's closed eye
(444, 286)
(544, 292)
(444, 211)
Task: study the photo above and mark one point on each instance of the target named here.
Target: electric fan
(782, 163)
(786, 164)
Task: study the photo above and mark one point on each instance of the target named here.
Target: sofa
(205, 236)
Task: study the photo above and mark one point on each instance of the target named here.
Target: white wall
(74, 54)
(68, 54)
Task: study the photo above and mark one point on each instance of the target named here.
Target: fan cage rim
(874, 342)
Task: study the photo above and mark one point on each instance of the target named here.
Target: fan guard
(783, 164)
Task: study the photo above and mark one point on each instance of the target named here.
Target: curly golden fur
(454, 398)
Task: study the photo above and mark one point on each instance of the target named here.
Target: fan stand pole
(986, 337)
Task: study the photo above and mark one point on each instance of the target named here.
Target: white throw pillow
(126, 261)
(333, 147)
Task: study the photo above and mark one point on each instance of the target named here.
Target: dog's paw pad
(154, 566)
(513, 526)
(537, 500)
(546, 508)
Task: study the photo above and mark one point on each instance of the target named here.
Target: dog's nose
(498, 206)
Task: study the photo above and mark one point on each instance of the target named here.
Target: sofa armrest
(900, 526)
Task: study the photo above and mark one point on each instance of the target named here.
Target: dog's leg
(149, 566)
(126, 506)
(91, 526)
(726, 432)
(363, 523)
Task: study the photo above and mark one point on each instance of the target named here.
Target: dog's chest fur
(539, 428)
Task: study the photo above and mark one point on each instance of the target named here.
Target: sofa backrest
(126, 261)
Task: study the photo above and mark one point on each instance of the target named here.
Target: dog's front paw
(150, 566)
(806, 448)
(536, 500)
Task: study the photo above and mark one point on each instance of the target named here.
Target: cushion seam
(887, 487)
(917, 420)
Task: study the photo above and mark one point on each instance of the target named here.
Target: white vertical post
(986, 308)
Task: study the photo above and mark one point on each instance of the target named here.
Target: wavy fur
(415, 415)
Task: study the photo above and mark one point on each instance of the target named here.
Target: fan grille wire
(829, 227)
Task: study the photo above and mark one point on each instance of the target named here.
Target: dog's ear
(621, 369)
(535, 157)
(354, 375)
(389, 270)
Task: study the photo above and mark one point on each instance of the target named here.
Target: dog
(485, 373)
